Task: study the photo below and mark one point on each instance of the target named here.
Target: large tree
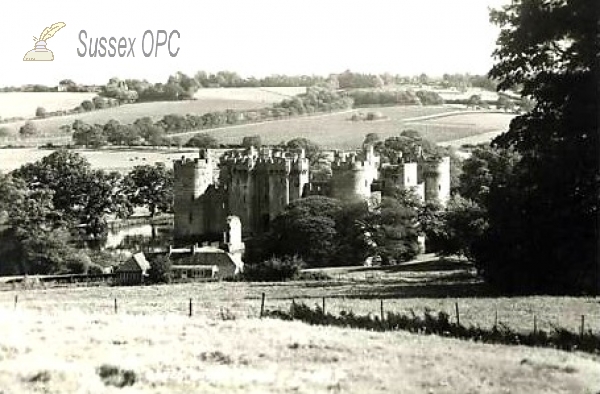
(81, 194)
(151, 186)
(542, 234)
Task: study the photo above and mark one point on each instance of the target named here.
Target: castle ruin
(256, 185)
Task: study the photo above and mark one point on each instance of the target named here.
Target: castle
(256, 185)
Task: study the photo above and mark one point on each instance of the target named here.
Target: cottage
(133, 271)
(207, 262)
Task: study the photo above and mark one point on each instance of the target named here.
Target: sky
(251, 37)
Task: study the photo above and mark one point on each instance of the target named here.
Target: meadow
(24, 104)
(56, 340)
(121, 160)
(337, 131)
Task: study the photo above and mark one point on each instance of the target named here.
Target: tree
(79, 193)
(253, 140)
(203, 141)
(28, 129)
(371, 139)
(394, 230)
(474, 101)
(150, 186)
(40, 112)
(87, 105)
(542, 234)
(160, 270)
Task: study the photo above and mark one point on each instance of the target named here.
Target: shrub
(114, 376)
(28, 129)
(274, 269)
(40, 112)
(160, 270)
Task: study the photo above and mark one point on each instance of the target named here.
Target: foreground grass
(57, 351)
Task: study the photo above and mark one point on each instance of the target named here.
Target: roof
(136, 263)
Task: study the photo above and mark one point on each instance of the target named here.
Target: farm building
(133, 271)
(207, 262)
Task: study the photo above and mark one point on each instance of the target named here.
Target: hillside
(224, 347)
(336, 131)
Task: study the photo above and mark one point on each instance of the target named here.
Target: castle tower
(437, 181)
(351, 179)
(403, 176)
(192, 178)
(299, 175)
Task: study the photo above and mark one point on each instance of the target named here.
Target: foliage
(542, 234)
(464, 223)
(160, 270)
(440, 324)
(28, 129)
(394, 231)
(274, 269)
(203, 141)
(252, 141)
(150, 186)
(40, 112)
(80, 194)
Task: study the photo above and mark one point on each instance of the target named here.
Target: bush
(40, 112)
(274, 269)
(160, 270)
(28, 129)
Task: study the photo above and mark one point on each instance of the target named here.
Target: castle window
(440, 187)
(191, 218)
(192, 197)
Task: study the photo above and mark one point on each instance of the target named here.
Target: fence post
(116, 307)
(293, 308)
(191, 308)
(457, 314)
(496, 318)
(582, 325)
(16, 300)
(534, 324)
(323, 305)
(262, 306)
(381, 309)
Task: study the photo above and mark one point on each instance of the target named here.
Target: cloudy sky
(252, 37)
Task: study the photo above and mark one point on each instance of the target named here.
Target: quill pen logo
(40, 52)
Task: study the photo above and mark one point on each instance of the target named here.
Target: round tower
(437, 180)
(192, 178)
(351, 180)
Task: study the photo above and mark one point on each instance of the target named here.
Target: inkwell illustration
(40, 52)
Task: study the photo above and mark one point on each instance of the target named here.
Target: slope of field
(268, 95)
(131, 112)
(56, 341)
(336, 131)
(122, 160)
(24, 104)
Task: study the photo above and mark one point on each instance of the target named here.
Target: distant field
(130, 112)
(336, 131)
(106, 159)
(24, 104)
(267, 95)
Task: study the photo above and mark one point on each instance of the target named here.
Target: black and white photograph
(262, 196)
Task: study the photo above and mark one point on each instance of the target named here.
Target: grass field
(55, 340)
(130, 112)
(24, 104)
(122, 160)
(336, 131)
(267, 95)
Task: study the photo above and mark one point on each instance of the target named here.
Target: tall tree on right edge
(543, 218)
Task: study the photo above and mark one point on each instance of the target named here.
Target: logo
(40, 52)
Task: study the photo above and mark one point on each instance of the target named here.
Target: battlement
(196, 163)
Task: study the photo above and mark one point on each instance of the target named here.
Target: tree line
(49, 207)
(144, 131)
